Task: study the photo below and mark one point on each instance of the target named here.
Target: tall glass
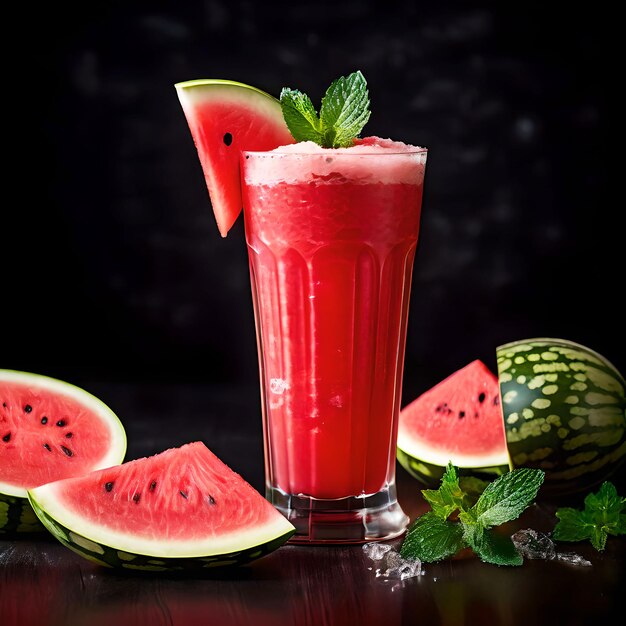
(331, 241)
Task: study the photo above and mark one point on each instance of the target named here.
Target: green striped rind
(109, 556)
(17, 516)
(564, 408)
(430, 474)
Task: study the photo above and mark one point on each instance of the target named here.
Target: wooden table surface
(44, 584)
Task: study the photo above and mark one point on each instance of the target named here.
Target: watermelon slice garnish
(225, 118)
(49, 430)
(178, 509)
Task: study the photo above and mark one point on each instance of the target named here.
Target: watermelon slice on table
(49, 430)
(226, 117)
(458, 420)
(183, 508)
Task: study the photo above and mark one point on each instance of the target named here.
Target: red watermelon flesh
(189, 488)
(458, 420)
(225, 118)
(51, 430)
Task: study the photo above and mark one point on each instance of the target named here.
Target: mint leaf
(572, 525)
(506, 497)
(606, 502)
(432, 539)
(345, 110)
(343, 114)
(300, 116)
(449, 497)
(604, 514)
(491, 547)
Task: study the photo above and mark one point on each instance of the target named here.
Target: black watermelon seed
(4, 404)
(61, 423)
(496, 401)
(28, 408)
(136, 497)
(68, 435)
(153, 485)
(67, 451)
(228, 139)
(183, 494)
(44, 420)
(7, 437)
(461, 414)
(481, 398)
(211, 499)
(108, 486)
(47, 447)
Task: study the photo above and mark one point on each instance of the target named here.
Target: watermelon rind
(564, 409)
(16, 514)
(203, 82)
(260, 125)
(118, 550)
(430, 474)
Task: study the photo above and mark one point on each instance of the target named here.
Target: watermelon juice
(331, 237)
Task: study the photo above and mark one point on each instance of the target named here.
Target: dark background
(113, 268)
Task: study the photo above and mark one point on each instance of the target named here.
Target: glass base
(373, 517)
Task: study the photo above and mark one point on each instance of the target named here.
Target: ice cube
(572, 559)
(392, 560)
(390, 565)
(279, 385)
(408, 569)
(533, 544)
(376, 551)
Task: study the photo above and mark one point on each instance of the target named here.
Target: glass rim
(332, 152)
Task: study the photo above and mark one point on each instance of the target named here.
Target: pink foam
(371, 160)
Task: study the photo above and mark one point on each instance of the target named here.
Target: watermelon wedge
(180, 509)
(49, 430)
(458, 420)
(225, 118)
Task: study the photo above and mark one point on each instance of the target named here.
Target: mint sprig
(343, 113)
(457, 520)
(604, 514)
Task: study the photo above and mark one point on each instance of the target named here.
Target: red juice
(331, 239)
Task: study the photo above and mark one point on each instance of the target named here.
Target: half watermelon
(458, 420)
(49, 430)
(181, 509)
(226, 117)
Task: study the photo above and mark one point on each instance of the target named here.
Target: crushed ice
(389, 564)
(532, 544)
(279, 385)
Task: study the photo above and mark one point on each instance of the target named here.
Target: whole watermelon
(564, 409)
